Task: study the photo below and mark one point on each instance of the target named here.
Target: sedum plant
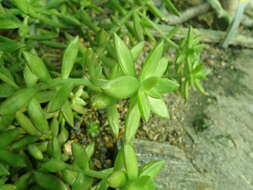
(43, 98)
(189, 70)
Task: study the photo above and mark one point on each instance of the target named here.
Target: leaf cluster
(57, 59)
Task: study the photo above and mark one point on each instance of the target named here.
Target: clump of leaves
(93, 129)
(40, 104)
(189, 70)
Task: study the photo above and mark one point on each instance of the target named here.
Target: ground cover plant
(58, 58)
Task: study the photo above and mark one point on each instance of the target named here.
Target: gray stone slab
(221, 157)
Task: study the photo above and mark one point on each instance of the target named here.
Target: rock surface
(220, 157)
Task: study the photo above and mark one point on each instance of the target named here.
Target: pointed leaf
(121, 87)
(3, 170)
(152, 169)
(54, 148)
(6, 120)
(7, 23)
(171, 7)
(12, 159)
(6, 137)
(82, 182)
(37, 116)
(27, 124)
(136, 50)
(37, 66)
(102, 101)
(6, 90)
(117, 179)
(132, 120)
(68, 114)
(149, 83)
(199, 86)
(23, 181)
(152, 61)
(69, 57)
(153, 93)
(49, 182)
(90, 149)
(54, 165)
(113, 119)
(155, 11)
(35, 152)
(144, 105)
(29, 78)
(6, 76)
(186, 90)
(159, 107)
(161, 67)
(130, 161)
(165, 85)
(119, 161)
(60, 97)
(137, 27)
(124, 57)
(18, 100)
(80, 156)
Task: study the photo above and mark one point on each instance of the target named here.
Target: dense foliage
(41, 98)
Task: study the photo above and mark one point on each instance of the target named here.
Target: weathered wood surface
(221, 157)
(178, 172)
(209, 36)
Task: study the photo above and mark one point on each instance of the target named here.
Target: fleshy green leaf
(6, 76)
(161, 67)
(54, 165)
(144, 105)
(117, 179)
(37, 116)
(35, 152)
(7, 23)
(29, 78)
(18, 100)
(12, 159)
(82, 182)
(37, 66)
(159, 107)
(137, 27)
(80, 156)
(155, 11)
(165, 85)
(121, 87)
(199, 86)
(136, 50)
(49, 182)
(6, 120)
(102, 101)
(60, 97)
(113, 119)
(171, 7)
(3, 170)
(68, 114)
(152, 61)
(149, 83)
(124, 57)
(130, 161)
(23, 182)
(132, 120)
(119, 161)
(152, 169)
(27, 124)
(6, 137)
(6, 90)
(69, 57)
(186, 90)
